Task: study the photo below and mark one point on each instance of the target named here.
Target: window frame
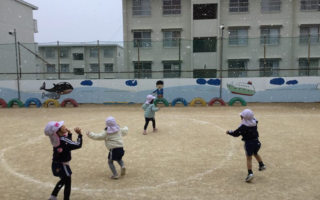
(52, 70)
(308, 6)
(172, 41)
(145, 69)
(303, 70)
(74, 56)
(241, 41)
(106, 66)
(203, 15)
(270, 70)
(108, 52)
(169, 70)
(237, 4)
(314, 38)
(144, 11)
(94, 68)
(205, 43)
(241, 72)
(269, 39)
(50, 53)
(144, 42)
(94, 52)
(269, 5)
(172, 9)
(67, 68)
(78, 71)
(64, 52)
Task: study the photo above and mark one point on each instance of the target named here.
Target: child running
(61, 140)
(112, 135)
(149, 113)
(249, 131)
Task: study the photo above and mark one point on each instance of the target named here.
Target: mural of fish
(51, 95)
(60, 88)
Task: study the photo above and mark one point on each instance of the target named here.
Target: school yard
(190, 157)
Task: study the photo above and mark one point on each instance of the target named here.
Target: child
(112, 135)
(61, 140)
(249, 131)
(149, 112)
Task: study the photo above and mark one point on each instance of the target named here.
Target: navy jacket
(66, 145)
(247, 132)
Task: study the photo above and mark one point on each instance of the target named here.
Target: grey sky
(78, 20)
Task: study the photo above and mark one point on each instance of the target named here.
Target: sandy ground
(190, 157)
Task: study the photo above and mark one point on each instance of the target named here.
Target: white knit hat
(248, 116)
(149, 98)
(112, 126)
(51, 131)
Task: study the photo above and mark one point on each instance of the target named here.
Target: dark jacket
(247, 132)
(66, 145)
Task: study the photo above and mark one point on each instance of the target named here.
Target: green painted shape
(18, 101)
(234, 99)
(162, 100)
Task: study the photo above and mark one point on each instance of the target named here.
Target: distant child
(61, 140)
(149, 113)
(249, 131)
(112, 135)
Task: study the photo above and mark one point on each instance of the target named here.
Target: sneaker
(115, 176)
(123, 171)
(249, 178)
(144, 132)
(155, 129)
(262, 168)
(52, 198)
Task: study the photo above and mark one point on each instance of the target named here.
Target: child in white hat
(112, 136)
(149, 113)
(248, 129)
(61, 140)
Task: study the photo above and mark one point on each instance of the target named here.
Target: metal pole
(179, 57)
(17, 63)
(19, 58)
(221, 52)
(308, 54)
(98, 59)
(138, 59)
(58, 47)
(264, 56)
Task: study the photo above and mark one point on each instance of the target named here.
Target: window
(313, 5)
(208, 44)
(51, 68)
(108, 52)
(303, 67)
(64, 68)
(78, 56)
(171, 7)
(144, 68)
(50, 53)
(270, 5)
(64, 52)
(270, 68)
(313, 31)
(171, 38)
(238, 37)
(171, 69)
(270, 35)
(205, 11)
(94, 52)
(108, 67)
(141, 8)
(35, 26)
(237, 68)
(78, 71)
(143, 38)
(204, 73)
(94, 68)
(238, 6)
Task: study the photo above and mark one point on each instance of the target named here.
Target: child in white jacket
(112, 135)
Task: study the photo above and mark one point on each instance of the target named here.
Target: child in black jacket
(249, 131)
(61, 140)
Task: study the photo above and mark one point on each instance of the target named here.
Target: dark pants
(64, 173)
(147, 123)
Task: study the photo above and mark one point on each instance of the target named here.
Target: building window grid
(50, 53)
(108, 52)
(171, 70)
(171, 38)
(238, 6)
(171, 7)
(108, 67)
(145, 70)
(141, 8)
(271, 5)
(313, 31)
(51, 68)
(237, 68)
(94, 52)
(270, 36)
(94, 67)
(270, 68)
(238, 37)
(64, 68)
(310, 5)
(205, 11)
(64, 53)
(205, 44)
(143, 37)
(78, 56)
(303, 67)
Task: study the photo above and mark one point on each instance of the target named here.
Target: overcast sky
(78, 20)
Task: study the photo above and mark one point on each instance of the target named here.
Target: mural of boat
(242, 88)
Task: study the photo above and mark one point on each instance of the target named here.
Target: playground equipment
(72, 101)
(198, 99)
(35, 100)
(179, 99)
(17, 101)
(3, 103)
(55, 102)
(161, 100)
(217, 100)
(234, 99)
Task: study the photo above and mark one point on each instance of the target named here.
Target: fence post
(138, 43)
(58, 47)
(308, 73)
(98, 58)
(264, 56)
(179, 57)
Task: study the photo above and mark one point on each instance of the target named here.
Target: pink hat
(51, 131)
(149, 98)
(112, 126)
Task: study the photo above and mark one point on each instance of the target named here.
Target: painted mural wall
(286, 89)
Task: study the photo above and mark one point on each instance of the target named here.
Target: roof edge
(27, 4)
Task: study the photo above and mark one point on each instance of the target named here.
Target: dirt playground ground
(190, 157)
